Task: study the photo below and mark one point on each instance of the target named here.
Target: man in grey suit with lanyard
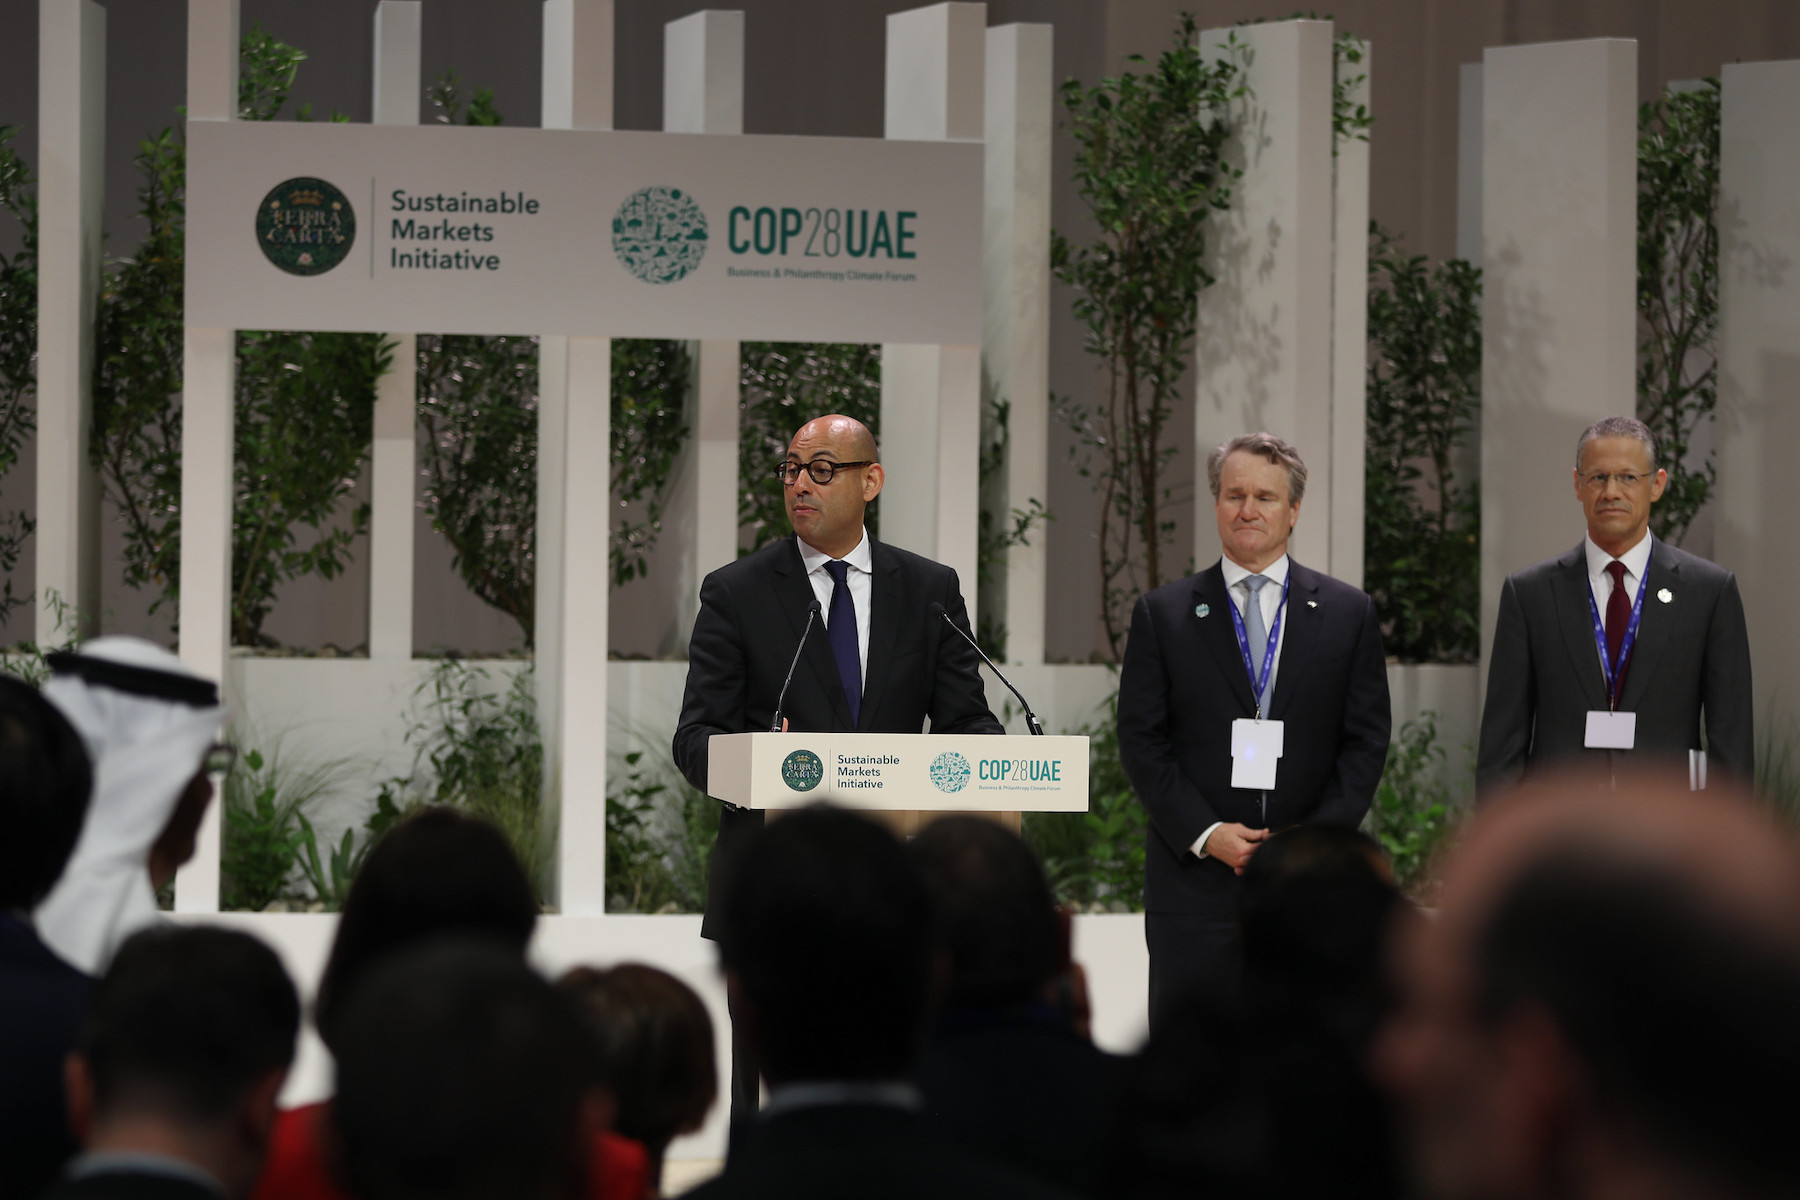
(1623, 645)
(1253, 696)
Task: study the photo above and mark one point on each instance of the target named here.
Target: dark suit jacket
(42, 1003)
(1184, 682)
(1692, 655)
(131, 1185)
(866, 1151)
(751, 616)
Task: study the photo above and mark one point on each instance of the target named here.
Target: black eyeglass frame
(789, 472)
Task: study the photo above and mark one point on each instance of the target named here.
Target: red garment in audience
(296, 1167)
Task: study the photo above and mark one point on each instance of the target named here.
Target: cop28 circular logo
(950, 771)
(305, 226)
(802, 770)
(659, 234)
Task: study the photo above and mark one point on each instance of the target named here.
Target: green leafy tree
(1414, 811)
(1150, 171)
(999, 529)
(1422, 521)
(18, 351)
(783, 385)
(1678, 292)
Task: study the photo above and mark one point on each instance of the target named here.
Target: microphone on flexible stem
(812, 614)
(1031, 722)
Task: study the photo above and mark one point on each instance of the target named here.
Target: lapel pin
(1312, 604)
(1665, 595)
(1200, 610)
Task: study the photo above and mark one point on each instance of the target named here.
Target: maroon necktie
(1618, 616)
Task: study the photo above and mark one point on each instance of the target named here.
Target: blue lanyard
(1612, 668)
(1261, 682)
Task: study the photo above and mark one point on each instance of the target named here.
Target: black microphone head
(937, 610)
(813, 609)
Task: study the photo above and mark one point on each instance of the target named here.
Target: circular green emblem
(802, 770)
(950, 771)
(659, 234)
(305, 226)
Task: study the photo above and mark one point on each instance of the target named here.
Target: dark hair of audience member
(461, 1073)
(186, 1020)
(994, 912)
(437, 872)
(1315, 908)
(828, 931)
(1624, 956)
(654, 1040)
(45, 781)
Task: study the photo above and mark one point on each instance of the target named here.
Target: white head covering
(147, 722)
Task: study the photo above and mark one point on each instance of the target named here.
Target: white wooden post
(71, 196)
(1349, 333)
(1263, 352)
(1759, 370)
(703, 92)
(1559, 309)
(574, 506)
(393, 466)
(208, 381)
(931, 395)
(1015, 350)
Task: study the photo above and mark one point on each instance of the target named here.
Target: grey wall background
(814, 67)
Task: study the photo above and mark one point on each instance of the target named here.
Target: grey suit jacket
(1691, 662)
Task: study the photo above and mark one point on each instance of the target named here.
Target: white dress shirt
(859, 579)
(1270, 598)
(1636, 560)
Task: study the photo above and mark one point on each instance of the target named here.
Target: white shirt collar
(1275, 572)
(815, 559)
(1635, 559)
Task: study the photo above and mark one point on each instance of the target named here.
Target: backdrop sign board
(447, 229)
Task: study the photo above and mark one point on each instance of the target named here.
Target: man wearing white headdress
(149, 724)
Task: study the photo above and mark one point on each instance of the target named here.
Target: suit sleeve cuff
(1199, 846)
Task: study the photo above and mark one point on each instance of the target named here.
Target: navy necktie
(840, 622)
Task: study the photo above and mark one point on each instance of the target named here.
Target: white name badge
(1611, 730)
(1255, 749)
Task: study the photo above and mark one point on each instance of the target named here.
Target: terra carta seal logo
(950, 771)
(659, 234)
(802, 770)
(305, 226)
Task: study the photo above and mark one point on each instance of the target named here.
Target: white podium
(919, 772)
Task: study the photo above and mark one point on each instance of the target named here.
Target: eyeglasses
(221, 758)
(821, 469)
(1599, 480)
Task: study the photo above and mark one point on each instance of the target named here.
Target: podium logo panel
(950, 771)
(802, 770)
(305, 226)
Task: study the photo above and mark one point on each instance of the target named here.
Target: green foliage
(1096, 859)
(659, 838)
(18, 351)
(266, 828)
(1422, 522)
(649, 429)
(783, 385)
(1350, 121)
(25, 659)
(1413, 812)
(304, 401)
(445, 94)
(1678, 292)
(481, 752)
(1150, 170)
(331, 885)
(999, 529)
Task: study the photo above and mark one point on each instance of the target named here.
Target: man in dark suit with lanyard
(879, 662)
(1253, 696)
(1621, 646)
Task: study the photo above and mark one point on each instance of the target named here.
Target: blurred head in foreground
(44, 784)
(462, 1075)
(1606, 1002)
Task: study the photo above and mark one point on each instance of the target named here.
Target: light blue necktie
(1259, 633)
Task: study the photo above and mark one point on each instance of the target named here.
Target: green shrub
(1095, 859)
(266, 827)
(1414, 810)
(659, 838)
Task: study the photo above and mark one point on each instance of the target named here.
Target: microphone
(1031, 722)
(812, 614)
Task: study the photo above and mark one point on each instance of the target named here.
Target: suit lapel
(794, 596)
(1216, 634)
(884, 627)
(1653, 627)
(1573, 596)
(1299, 639)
